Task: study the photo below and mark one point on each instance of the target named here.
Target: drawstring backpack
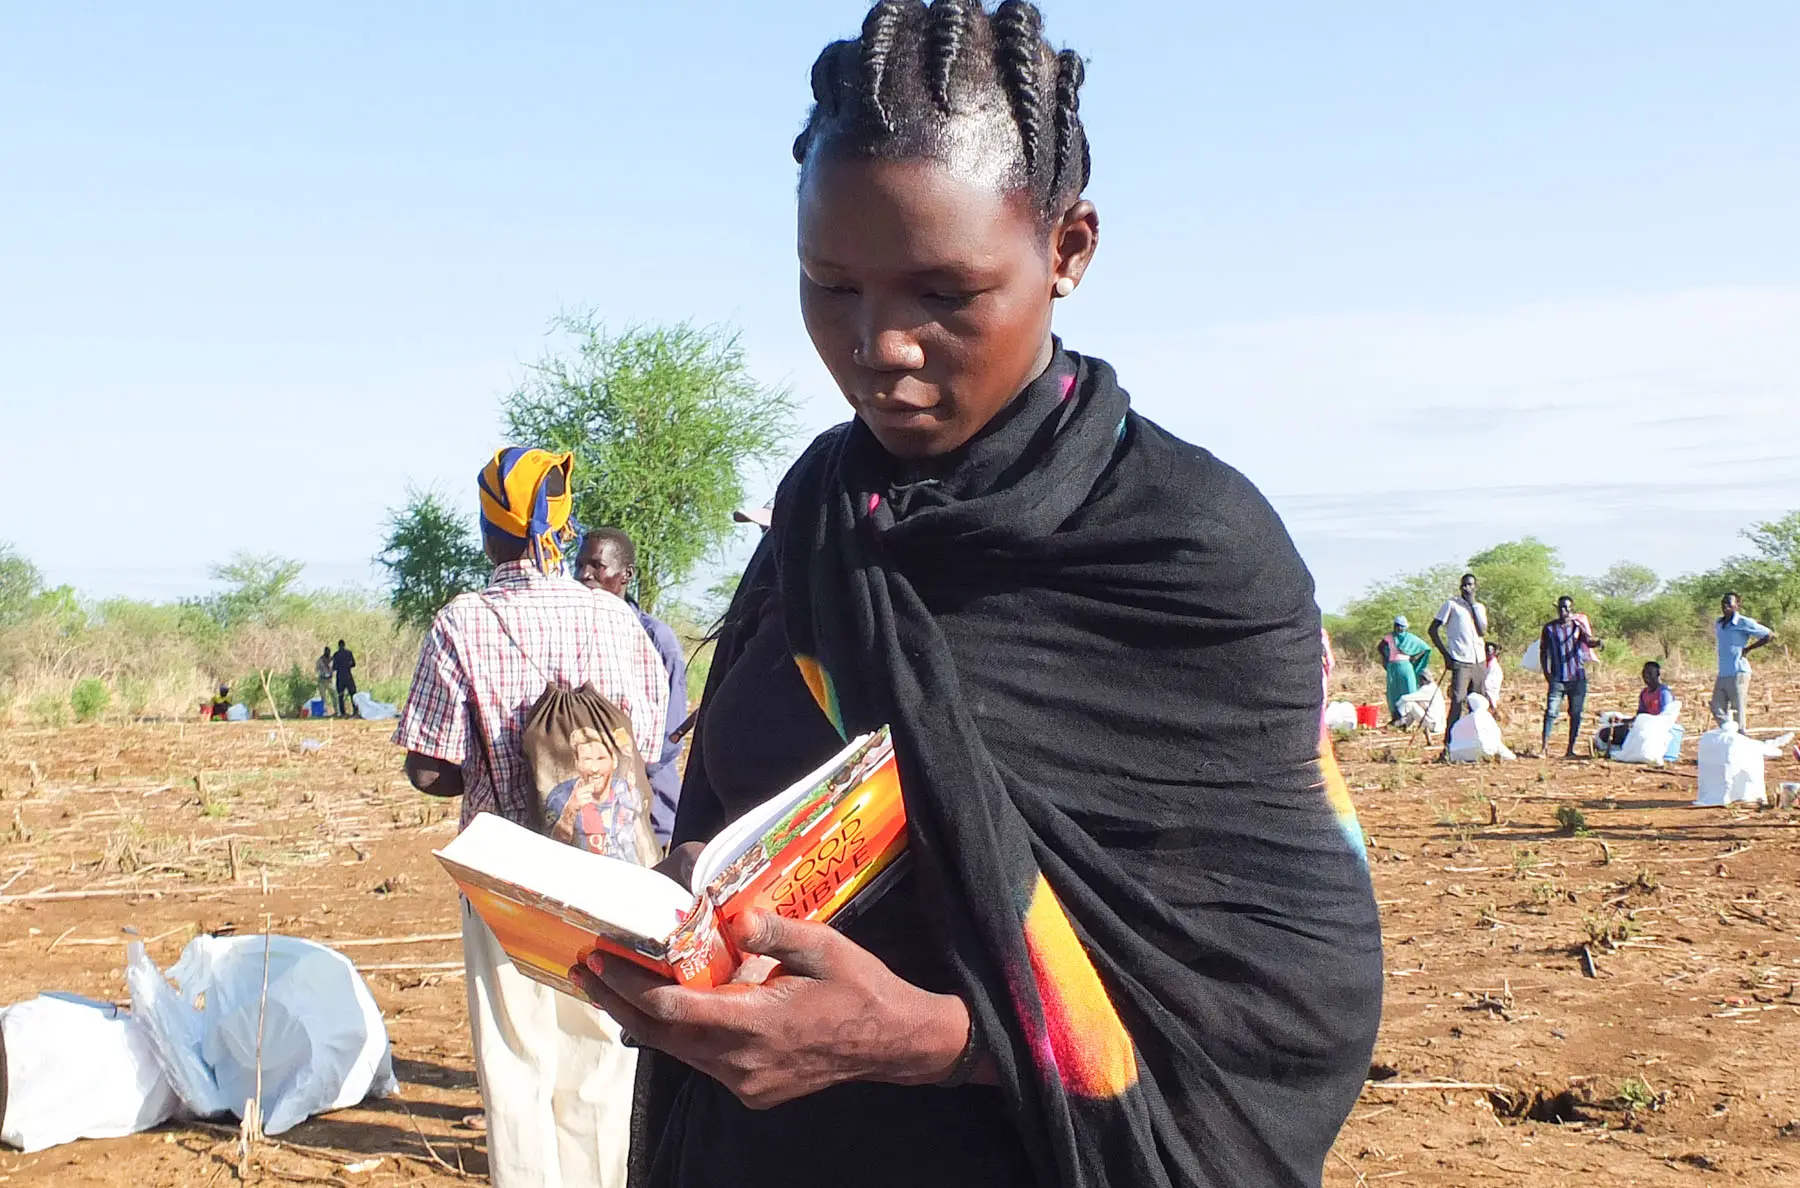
(589, 784)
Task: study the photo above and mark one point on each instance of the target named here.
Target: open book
(820, 851)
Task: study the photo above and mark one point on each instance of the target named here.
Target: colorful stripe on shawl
(1081, 1040)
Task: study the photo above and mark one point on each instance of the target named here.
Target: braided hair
(919, 74)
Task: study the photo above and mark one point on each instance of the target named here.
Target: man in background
(608, 561)
(1737, 635)
(555, 1079)
(1459, 632)
(1563, 648)
(342, 663)
(324, 673)
(1653, 700)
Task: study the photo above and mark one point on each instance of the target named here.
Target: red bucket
(1368, 717)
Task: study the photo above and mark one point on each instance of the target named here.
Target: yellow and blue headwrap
(516, 502)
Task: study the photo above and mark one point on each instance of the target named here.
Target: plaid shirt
(574, 635)
(1565, 649)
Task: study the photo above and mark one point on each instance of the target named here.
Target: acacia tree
(664, 422)
(431, 556)
(20, 582)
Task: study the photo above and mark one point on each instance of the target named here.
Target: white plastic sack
(374, 710)
(1731, 768)
(78, 1069)
(237, 713)
(324, 1045)
(1531, 661)
(1340, 716)
(1650, 735)
(1476, 735)
(1426, 702)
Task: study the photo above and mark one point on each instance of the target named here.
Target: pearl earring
(1064, 286)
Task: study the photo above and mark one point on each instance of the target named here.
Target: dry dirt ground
(1616, 1008)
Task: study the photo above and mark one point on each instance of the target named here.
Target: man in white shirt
(1459, 632)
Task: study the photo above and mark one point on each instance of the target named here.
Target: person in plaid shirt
(555, 1079)
(1563, 648)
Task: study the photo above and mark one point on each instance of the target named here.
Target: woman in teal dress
(1408, 659)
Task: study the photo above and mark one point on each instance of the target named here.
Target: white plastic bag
(1340, 717)
(1649, 737)
(78, 1069)
(1426, 702)
(324, 1045)
(237, 713)
(1532, 661)
(374, 710)
(1731, 768)
(1476, 735)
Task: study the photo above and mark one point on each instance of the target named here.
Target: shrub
(89, 698)
(47, 709)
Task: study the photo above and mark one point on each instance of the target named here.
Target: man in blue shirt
(1738, 635)
(608, 561)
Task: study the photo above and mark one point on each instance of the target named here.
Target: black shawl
(1143, 869)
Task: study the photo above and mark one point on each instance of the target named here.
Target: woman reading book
(1137, 944)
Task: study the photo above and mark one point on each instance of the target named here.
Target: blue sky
(1433, 275)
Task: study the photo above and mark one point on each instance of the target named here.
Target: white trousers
(555, 1080)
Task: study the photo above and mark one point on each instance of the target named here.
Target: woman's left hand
(832, 1012)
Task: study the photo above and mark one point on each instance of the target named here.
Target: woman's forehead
(911, 215)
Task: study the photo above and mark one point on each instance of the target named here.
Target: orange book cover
(808, 854)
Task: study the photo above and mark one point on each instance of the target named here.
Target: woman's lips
(899, 415)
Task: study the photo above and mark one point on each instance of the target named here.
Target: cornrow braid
(879, 32)
(947, 26)
(1070, 72)
(1018, 39)
(921, 79)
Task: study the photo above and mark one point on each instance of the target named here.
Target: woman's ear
(1073, 241)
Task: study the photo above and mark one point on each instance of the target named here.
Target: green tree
(431, 555)
(1520, 583)
(1671, 620)
(259, 589)
(1769, 578)
(664, 422)
(20, 582)
(1366, 619)
(1627, 581)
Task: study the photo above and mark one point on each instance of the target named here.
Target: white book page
(632, 898)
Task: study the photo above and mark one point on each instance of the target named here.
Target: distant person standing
(1563, 648)
(555, 1078)
(342, 663)
(1459, 632)
(1407, 659)
(1495, 678)
(324, 673)
(1738, 635)
(608, 561)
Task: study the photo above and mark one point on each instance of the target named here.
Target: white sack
(374, 710)
(1340, 716)
(1426, 702)
(1731, 768)
(1650, 736)
(324, 1045)
(78, 1069)
(1476, 735)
